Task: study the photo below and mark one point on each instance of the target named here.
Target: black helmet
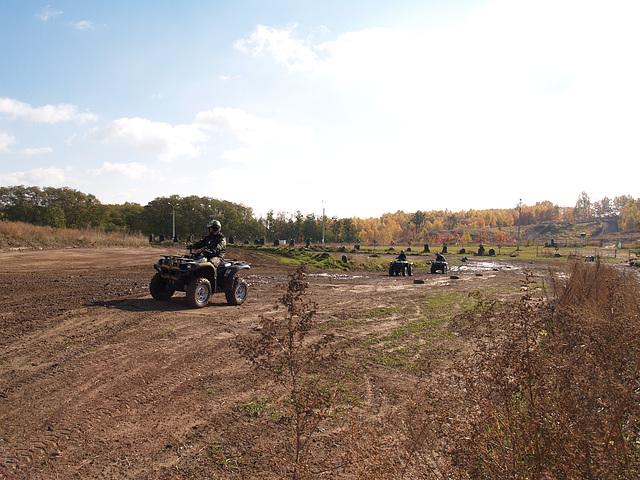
(215, 224)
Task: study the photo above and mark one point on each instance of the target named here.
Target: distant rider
(439, 257)
(403, 256)
(214, 244)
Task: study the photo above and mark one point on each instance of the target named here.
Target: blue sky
(360, 107)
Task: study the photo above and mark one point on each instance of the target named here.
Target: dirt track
(98, 380)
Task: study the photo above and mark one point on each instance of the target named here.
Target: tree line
(68, 208)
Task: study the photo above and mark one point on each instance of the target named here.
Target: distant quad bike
(403, 267)
(439, 265)
(194, 274)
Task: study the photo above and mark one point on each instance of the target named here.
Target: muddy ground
(98, 380)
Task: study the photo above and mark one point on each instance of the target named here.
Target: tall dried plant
(553, 385)
(290, 351)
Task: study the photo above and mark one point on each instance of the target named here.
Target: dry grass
(552, 387)
(26, 235)
(543, 387)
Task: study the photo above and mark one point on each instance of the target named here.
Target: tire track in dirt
(119, 374)
(98, 380)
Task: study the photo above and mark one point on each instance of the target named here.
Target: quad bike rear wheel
(199, 292)
(238, 293)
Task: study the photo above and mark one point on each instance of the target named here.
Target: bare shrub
(543, 387)
(552, 386)
(290, 351)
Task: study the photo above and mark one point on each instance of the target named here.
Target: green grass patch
(380, 312)
(329, 259)
(396, 359)
(294, 256)
(421, 332)
(253, 409)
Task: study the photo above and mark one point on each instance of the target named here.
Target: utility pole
(173, 208)
(519, 222)
(323, 223)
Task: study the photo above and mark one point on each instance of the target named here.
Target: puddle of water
(482, 266)
(335, 276)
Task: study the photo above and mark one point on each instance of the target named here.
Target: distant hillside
(588, 231)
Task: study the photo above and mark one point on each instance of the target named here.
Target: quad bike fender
(207, 272)
(228, 273)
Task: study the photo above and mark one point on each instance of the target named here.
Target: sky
(352, 107)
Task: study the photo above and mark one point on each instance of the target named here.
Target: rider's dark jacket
(214, 245)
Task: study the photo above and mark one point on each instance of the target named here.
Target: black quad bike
(196, 275)
(439, 265)
(403, 267)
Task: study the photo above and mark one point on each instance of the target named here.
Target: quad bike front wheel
(199, 293)
(238, 293)
(161, 289)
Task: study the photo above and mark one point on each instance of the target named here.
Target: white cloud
(294, 53)
(5, 141)
(133, 170)
(159, 138)
(516, 84)
(37, 151)
(504, 48)
(251, 129)
(516, 78)
(246, 156)
(50, 114)
(48, 12)
(84, 25)
(51, 176)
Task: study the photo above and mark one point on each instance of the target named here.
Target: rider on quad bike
(214, 244)
(201, 274)
(401, 265)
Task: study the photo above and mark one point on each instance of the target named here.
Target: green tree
(312, 228)
(418, 219)
(348, 230)
(270, 225)
(583, 206)
(22, 204)
(81, 210)
(54, 217)
(451, 221)
(620, 202)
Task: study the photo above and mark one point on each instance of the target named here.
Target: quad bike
(196, 275)
(439, 265)
(400, 266)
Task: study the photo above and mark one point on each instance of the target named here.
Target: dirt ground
(98, 380)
